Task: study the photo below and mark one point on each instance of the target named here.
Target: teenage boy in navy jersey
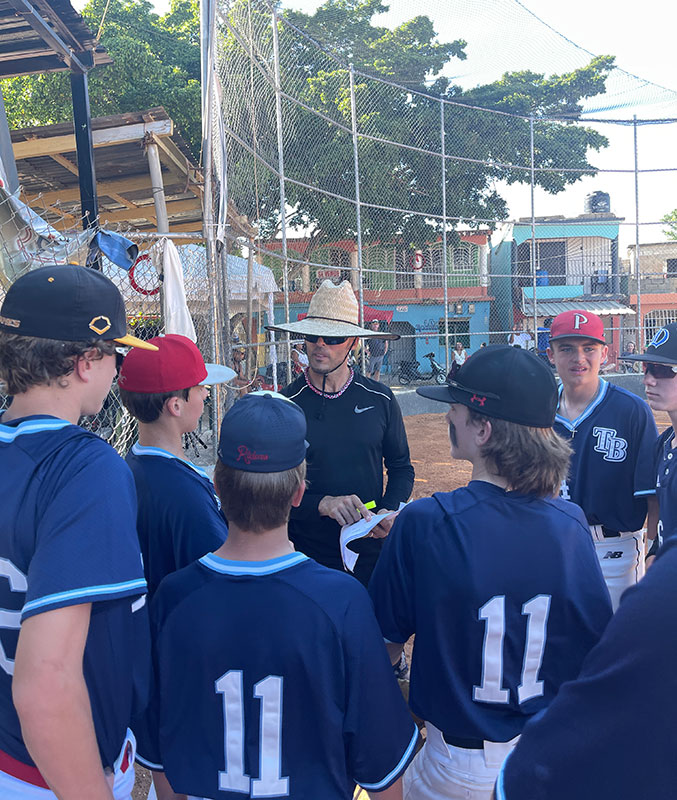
(179, 517)
(660, 371)
(73, 636)
(498, 580)
(272, 679)
(613, 435)
(609, 735)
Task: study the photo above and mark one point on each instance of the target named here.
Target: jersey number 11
(493, 613)
(233, 778)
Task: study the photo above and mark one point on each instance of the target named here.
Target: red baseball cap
(579, 323)
(176, 364)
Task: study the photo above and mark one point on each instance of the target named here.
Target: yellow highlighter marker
(371, 504)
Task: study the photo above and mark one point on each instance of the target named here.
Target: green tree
(484, 148)
(156, 62)
(671, 221)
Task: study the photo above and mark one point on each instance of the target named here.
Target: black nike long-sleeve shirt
(351, 438)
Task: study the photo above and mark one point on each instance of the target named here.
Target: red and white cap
(579, 323)
(176, 364)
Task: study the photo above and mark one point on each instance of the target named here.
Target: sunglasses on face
(665, 371)
(330, 340)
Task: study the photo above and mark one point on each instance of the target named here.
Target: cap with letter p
(263, 432)
(578, 323)
(69, 304)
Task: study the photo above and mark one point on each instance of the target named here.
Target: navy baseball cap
(263, 432)
(67, 303)
(505, 383)
(662, 348)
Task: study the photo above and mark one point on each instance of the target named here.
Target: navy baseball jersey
(68, 537)
(505, 595)
(272, 680)
(179, 517)
(666, 487)
(612, 469)
(611, 733)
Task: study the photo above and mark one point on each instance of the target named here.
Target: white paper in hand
(358, 530)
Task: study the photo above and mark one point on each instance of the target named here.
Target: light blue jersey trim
(218, 564)
(86, 591)
(571, 425)
(149, 764)
(138, 450)
(645, 493)
(395, 772)
(8, 433)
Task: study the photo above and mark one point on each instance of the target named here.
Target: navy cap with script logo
(69, 304)
(505, 383)
(662, 348)
(263, 432)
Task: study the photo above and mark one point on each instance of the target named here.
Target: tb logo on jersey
(614, 447)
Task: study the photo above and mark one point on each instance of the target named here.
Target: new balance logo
(614, 554)
(613, 446)
(362, 410)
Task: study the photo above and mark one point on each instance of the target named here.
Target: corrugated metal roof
(552, 308)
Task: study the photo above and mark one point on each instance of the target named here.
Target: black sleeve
(397, 461)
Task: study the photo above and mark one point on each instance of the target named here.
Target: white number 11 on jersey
(233, 778)
(493, 613)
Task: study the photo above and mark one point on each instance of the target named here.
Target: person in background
(458, 357)
(377, 352)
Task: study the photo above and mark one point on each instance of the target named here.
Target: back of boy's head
(261, 460)
(148, 379)
(51, 316)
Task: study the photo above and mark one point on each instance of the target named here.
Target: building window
(459, 331)
(671, 268)
(657, 319)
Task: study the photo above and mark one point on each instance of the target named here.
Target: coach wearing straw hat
(354, 428)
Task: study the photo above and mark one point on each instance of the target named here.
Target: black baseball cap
(263, 432)
(662, 348)
(505, 383)
(68, 303)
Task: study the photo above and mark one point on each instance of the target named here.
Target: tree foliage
(156, 62)
(482, 148)
(671, 221)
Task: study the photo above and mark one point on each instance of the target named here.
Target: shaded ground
(435, 472)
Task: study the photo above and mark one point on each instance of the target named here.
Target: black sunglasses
(330, 340)
(664, 371)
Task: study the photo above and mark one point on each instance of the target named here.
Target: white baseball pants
(441, 771)
(12, 788)
(621, 558)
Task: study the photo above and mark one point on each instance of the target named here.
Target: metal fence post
(532, 247)
(356, 161)
(641, 343)
(283, 197)
(444, 240)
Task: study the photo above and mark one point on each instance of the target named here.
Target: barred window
(657, 319)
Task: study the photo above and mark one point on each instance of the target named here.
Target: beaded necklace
(330, 396)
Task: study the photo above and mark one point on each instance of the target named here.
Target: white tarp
(177, 317)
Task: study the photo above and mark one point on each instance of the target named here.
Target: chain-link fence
(444, 217)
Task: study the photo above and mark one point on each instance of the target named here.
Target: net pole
(638, 275)
(444, 239)
(283, 198)
(532, 246)
(358, 216)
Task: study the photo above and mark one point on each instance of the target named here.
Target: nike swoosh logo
(360, 410)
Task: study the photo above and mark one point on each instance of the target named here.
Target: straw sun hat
(333, 311)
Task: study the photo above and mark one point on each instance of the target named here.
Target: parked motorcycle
(409, 372)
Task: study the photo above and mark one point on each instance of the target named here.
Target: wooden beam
(104, 189)
(146, 212)
(65, 163)
(175, 161)
(106, 137)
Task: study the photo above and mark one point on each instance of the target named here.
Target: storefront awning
(551, 308)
